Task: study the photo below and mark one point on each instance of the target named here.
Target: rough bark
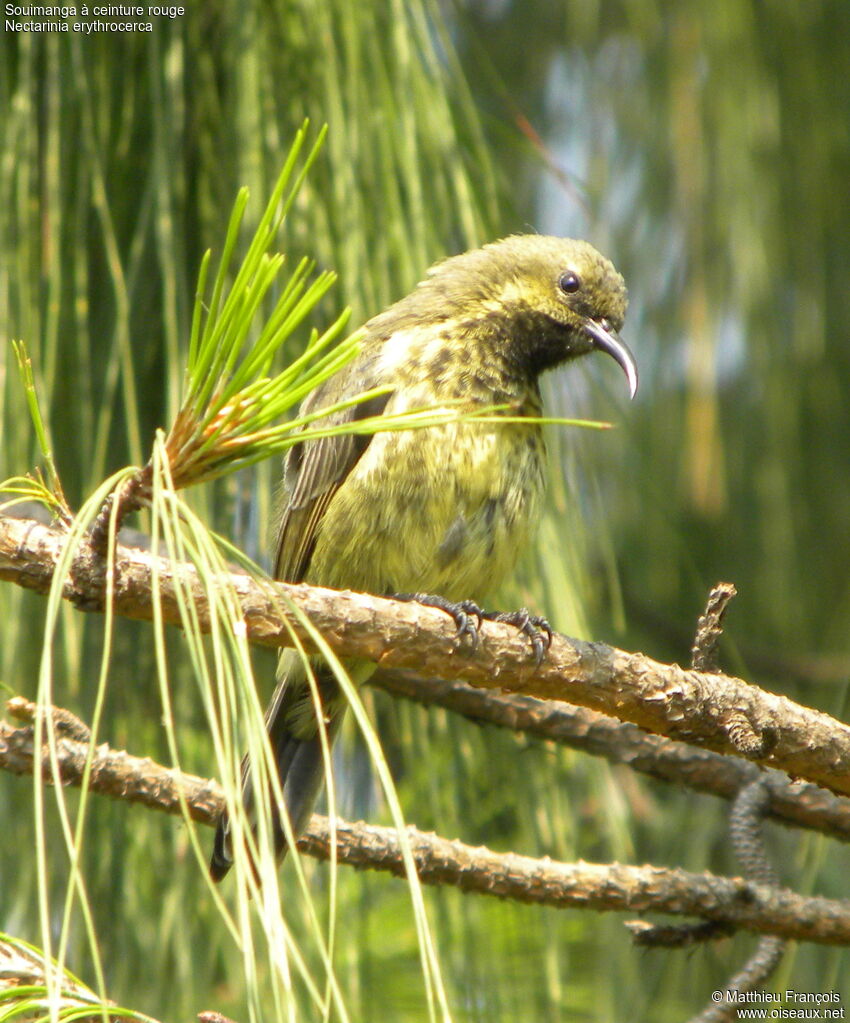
(715, 711)
(439, 861)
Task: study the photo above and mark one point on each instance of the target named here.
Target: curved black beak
(607, 340)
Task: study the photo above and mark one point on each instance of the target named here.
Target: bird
(437, 514)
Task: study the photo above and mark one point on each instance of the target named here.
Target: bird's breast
(443, 509)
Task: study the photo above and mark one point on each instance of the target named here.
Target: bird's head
(553, 298)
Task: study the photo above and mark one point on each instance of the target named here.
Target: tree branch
(741, 903)
(794, 803)
(24, 990)
(704, 709)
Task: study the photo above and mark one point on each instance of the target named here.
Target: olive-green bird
(443, 510)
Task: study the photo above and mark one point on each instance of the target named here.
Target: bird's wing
(315, 470)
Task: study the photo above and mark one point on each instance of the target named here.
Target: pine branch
(795, 803)
(26, 996)
(735, 901)
(714, 711)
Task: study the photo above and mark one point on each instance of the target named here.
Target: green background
(706, 150)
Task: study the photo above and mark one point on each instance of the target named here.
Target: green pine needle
(233, 411)
(34, 488)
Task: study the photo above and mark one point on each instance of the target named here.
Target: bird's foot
(467, 615)
(538, 630)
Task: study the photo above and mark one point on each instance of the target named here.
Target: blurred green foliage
(707, 151)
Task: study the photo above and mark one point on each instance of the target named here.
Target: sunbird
(437, 514)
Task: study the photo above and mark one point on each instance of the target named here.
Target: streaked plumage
(444, 510)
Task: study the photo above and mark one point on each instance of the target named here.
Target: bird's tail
(296, 744)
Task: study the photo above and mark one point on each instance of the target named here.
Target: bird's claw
(463, 613)
(466, 614)
(538, 630)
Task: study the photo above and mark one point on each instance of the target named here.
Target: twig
(23, 989)
(439, 861)
(669, 936)
(64, 722)
(661, 698)
(796, 803)
(130, 496)
(745, 821)
(710, 628)
(748, 840)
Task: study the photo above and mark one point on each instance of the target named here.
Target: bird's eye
(569, 282)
